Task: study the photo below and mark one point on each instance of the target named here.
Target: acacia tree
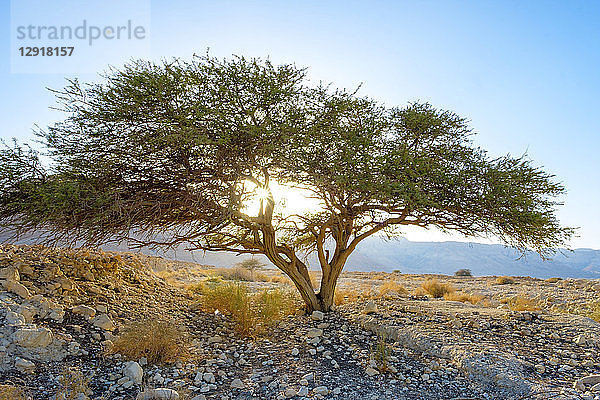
(172, 153)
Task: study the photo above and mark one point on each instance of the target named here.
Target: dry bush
(381, 354)
(504, 280)
(521, 303)
(436, 289)
(71, 384)
(391, 288)
(253, 313)
(590, 310)
(160, 341)
(279, 278)
(240, 274)
(10, 392)
(315, 278)
(464, 297)
(345, 295)
(553, 280)
(463, 272)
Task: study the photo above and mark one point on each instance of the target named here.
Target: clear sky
(527, 74)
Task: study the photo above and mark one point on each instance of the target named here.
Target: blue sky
(525, 73)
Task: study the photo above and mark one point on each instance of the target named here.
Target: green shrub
(463, 272)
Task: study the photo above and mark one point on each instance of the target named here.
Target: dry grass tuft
(392, 288)
(553, 280)
(381, 354)
(280, 278)
(240, 274)
(504, 280)
(436, 289)
(345, 295)
(72, 384)
(521, 303)
(160, 341)
(10, 392)
(254, 314)
(464, 297)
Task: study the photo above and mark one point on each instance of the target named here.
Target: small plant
(463, 272)
(253, 313)
(381, 354)
(391, 287)
(72, 384)
(160, 341)
(10, 392)
(239, 274)
(345, 295)
(436, 289)
(553, 280)
(251, 264)
(279, 278)
(463, 297)
(504, 280)
(521, 303)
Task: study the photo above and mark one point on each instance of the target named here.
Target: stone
(84, 310)
(321, 390)
(371, 371)
(314, 332)
(15, 319)
(540, 368)
(303, 391)
(16, 288)
(317, 315)
(199, 397)
(370, 308)
(237, 384)
(290, 392)
(590, 380)
(33, 337)
(102, 321)
(24, 366)
(133, 371)
(208, 377)
(295, 351)
(9, 274)
(161, 394)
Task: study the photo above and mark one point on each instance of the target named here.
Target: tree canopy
(169, 153)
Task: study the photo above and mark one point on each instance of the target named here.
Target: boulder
(370, 308)
(24, 366)
(237, 384)
(84, 310)
(314, 332)
(16, 288)
(133, 371)
(9, 274)
(102, 321)
(33, 337)
(160, 394)
(317, 316)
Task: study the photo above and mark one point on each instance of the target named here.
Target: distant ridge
(377, 254)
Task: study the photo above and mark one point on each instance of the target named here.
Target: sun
(262, 193)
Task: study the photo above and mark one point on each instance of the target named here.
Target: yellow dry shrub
(436, 289)
(10, 392)
(160, 341)
(521, 303)
(345, 295)
(72, 384)
(390, 288)
(504, 280)
(255, 313)
(463, 297)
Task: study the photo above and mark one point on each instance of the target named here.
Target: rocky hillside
(71, 320)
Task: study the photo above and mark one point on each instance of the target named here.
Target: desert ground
(88, 324)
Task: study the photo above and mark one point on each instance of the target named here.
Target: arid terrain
(79, 324)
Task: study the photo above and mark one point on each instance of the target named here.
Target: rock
(589, 380)
(540, 368)
(290, 392)
(133, 371)
(370, 308)
(9, 274)
(160, 394)
(199, 397)
(237, 384)
(314, 332)
(303, 391)
(102, 321)
(16, 288)
(33, 337)
(322, 390)
(84, 310)
(317, 315)
(371, 371)
(24, 366)
(208, 377)
(13, 318)
(295, 351)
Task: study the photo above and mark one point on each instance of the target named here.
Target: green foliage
(463, 272)
(381, 354)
